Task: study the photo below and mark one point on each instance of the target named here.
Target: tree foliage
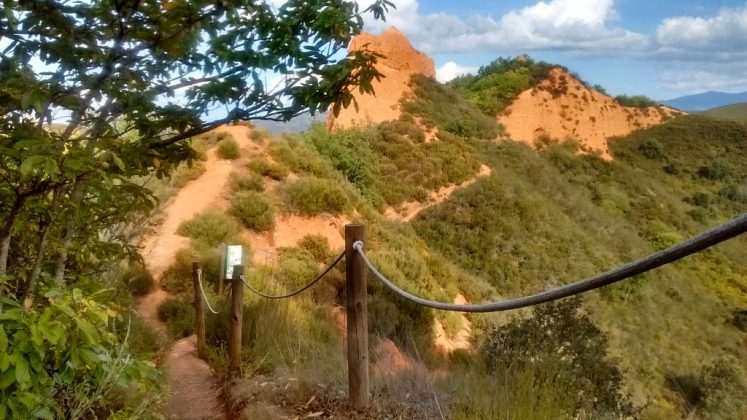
(133, 80)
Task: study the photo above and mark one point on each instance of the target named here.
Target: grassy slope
(539, 220)
(735, 112)
(554, 217)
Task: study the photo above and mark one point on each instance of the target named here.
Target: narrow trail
(409, 209)
(193, 393)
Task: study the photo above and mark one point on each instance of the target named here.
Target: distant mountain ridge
(706, 100)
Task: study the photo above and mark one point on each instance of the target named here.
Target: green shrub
(636, 101)
(142, 340)
(312, 196)
(317, 245)
(497, 84)
(300, 158)
(699, 199)
(265, 168)
(62, 360)
(177, 279)
(559, 340)
(228, 149)
(716, 392)
(251, 182)
(210, 227)
(178, 315)
(138, 280)
(651, 149)
(186, 172)
(459, 118)
(253, 210)
(258, 135)
(715, 171)
(739, 320)
(351, 153)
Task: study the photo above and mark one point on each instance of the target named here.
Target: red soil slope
(400, 62)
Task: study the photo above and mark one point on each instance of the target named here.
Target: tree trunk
(42, 250)
(6, 231)
(67, 241)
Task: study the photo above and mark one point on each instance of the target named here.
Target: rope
(311, 283)
(204, 296)
(707, 239)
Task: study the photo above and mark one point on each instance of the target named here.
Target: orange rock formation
(400, 62)
(561, 107)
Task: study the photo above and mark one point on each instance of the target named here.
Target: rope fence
(205, 298)
(357, 264)
(298, 291)
(676, 252)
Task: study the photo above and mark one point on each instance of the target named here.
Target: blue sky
(662, 49)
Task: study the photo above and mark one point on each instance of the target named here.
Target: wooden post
(237, 316)
(199, 304)
(357, 314)
(221, 269)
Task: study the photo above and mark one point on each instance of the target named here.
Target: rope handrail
(697, 243)
(287, 295)
(204, 296)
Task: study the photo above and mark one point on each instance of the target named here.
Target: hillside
(502, 219)
(706, 100)
(399, 62)
(561, 107)
(734, 112)
(513, 221)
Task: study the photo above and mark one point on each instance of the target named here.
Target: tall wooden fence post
(199, 305)
(357, 315)
(221, 269)
(237, 317)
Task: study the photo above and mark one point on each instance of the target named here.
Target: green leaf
(22, 370)
(5, 360)
(7, 379)
(3, 339)
(51, 168)
(29, 165)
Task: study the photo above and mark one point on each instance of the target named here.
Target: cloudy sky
(660, 48)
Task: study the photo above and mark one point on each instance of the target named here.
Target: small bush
(142, 339)
(210, 227)
(138, 280)
(317, 245)
(715, 171)
(251, 182)
(177, 278)
(651, 149)
(186, 172)
(258, 135)
(228, 149)
(300, 158)
(265, 168)
(699, 199)
(559, 339)
(253, 210)
(178, 315)
(636, 101)
(312, 196)
(739, 320)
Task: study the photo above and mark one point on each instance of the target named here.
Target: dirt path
(192, 386)
(409, 209)
(193, 391)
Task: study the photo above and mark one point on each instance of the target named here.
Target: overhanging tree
(134, 80)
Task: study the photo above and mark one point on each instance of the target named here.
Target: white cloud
(695, 77)
(721, 37)
(450, 70)
(578, 25)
